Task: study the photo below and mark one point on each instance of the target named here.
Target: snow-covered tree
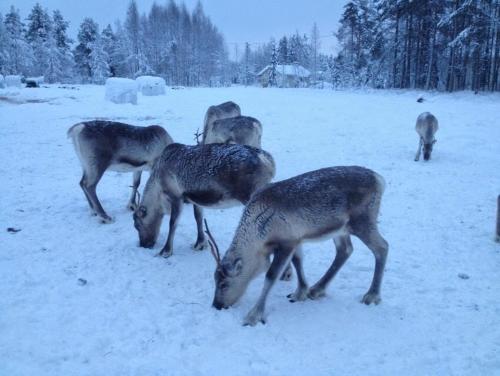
(38, 32)
(87, 35)
(273, 65)
(99, 66)
(19, 56)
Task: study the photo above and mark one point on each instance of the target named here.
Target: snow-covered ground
(143, 315)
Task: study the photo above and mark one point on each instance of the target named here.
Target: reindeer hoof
(200, 246)
(315, 293)
(298, 296)
(370, 298)
(165, 253)
(106, 219)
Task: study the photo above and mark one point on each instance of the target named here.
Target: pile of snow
(34, 81)
(2, 81)
(121, 90)
(13, 80)
(150, 85)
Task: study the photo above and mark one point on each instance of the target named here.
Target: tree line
(183, 47)
(426, 44)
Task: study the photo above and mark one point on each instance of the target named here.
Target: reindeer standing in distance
(224, 124)
(332, 202)
(426, 127)
(213, 175)
(109, 145)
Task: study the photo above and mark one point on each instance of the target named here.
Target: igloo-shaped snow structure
(151, 85)
(13, 81)
(121, 90)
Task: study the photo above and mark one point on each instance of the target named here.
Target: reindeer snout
(147, 244)
(218, 306)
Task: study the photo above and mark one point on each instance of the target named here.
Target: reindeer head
(428, 150)
(231, 280)
(149, 214)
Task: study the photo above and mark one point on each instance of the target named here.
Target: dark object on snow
(13, 230)
(82, 282)
(497, 235)
(463, 276)
(32, 84)
(420, 100)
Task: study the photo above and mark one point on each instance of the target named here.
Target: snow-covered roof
(289, 70)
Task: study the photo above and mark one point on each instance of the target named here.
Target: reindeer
(332, 202)
(222, 111)
(426, 127)
(214, 175)
(243, 130)
(102, 145)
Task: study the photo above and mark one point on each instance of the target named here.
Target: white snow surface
(81, 298)
(151, 85)
(13, 81)
(121, 90)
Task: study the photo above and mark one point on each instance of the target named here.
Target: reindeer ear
(233, 269)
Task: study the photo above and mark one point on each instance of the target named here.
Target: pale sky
(254, 21)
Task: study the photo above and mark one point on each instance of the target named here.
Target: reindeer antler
(138, 197)
(197, 136)
(213, 245)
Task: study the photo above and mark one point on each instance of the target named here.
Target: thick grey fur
(222, 111)
(332, 202)
(212, 175)
(110, 145)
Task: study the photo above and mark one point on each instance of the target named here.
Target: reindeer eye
(142, 212)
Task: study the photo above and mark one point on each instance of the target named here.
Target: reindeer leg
(344, 250)
(419, 150)
(281, 258)
(174, 219)
(201, 242)
(302, 288)
(90, 182)
(132, 204)
(83, 183)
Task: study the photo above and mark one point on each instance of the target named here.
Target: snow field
(79, 297)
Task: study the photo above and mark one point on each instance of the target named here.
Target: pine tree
(273, 65)
(87, 35)
(283, 51)
(98, 60)
(19, 54)
(37, 34)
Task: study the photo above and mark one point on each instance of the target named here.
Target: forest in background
(445, 45)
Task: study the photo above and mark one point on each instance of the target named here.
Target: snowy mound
(34, 81)
(121, 90)
(12, 80)
(150, 85)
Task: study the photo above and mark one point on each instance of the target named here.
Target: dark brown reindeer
(214, 175)
(332, 202)
(110, 145)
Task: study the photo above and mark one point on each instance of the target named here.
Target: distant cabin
(292, 75)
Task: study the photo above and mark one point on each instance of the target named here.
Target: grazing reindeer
(243, 130)
(102, 145)
(332, 202)
(222, 111)
(497, 235)
(212, 175)
(426, 127)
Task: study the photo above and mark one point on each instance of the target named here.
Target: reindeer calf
(332, 202)
(426, 127)
(211, 175)
(102, 145)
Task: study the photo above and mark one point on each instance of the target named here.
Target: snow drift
(150, 85)
(121, 90)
